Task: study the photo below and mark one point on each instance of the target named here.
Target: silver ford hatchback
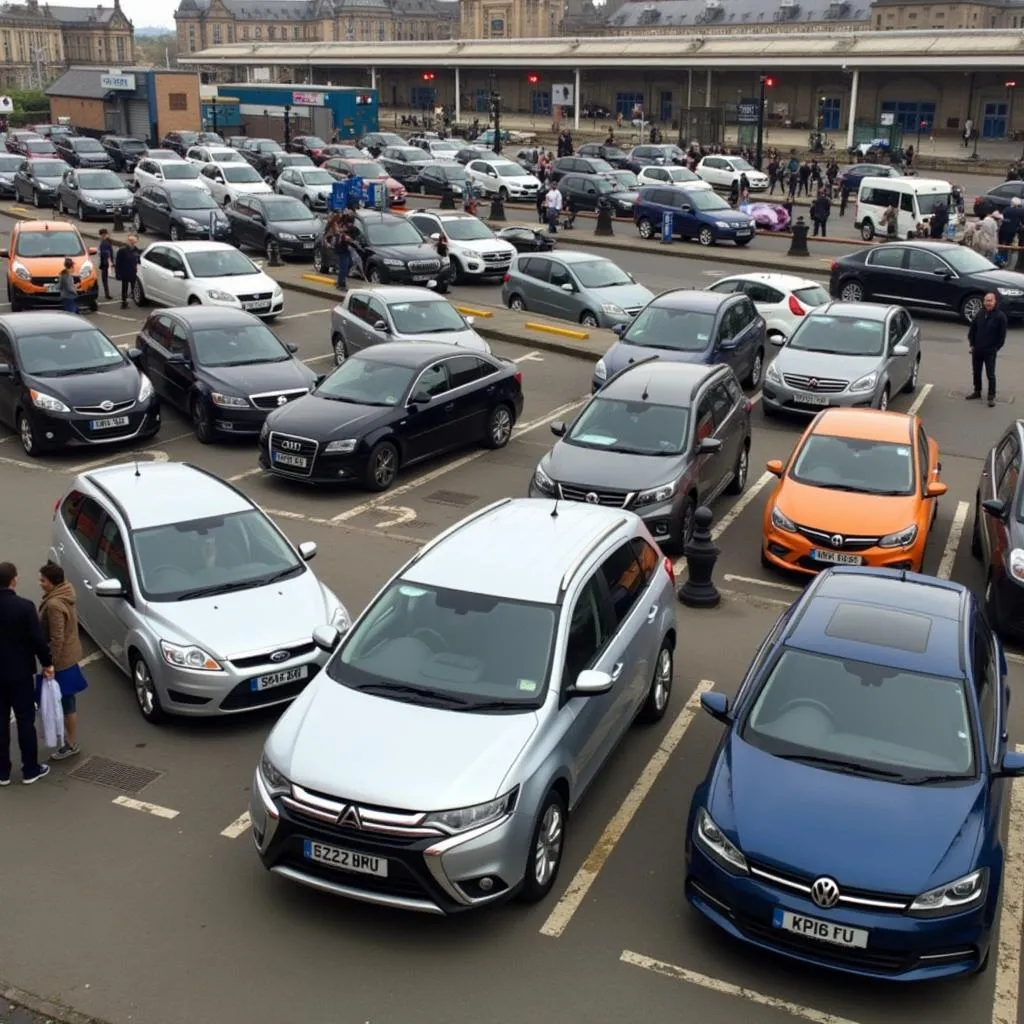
(432, 764)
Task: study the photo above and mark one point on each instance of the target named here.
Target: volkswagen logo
(290, 446)
(107, 405)
(281, 400)
(350, 817)
(836, 540)
(278, 656)
(592, 498)
(813, 384)
(824, 892)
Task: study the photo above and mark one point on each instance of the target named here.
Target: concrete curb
(52, 1012)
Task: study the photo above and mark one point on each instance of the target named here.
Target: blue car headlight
(953, 897)
(712, 840)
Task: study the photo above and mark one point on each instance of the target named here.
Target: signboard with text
(308, 99)
(746, 112)
(118, 81)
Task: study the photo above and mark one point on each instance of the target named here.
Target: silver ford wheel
(547, 853)
(145, 692)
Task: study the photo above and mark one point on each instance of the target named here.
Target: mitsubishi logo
(825, 893)
(281, 400)
(592, 498)
(836, 540)
(107, 405)
(350, 817)
(290, 446)
(813, 384)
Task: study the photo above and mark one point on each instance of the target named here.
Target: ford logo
(279, 656)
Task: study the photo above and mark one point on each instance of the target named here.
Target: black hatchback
(64, 382)
(180, 212)
(224, 368)
(260, 221)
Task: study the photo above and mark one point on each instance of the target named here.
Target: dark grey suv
(659, 439)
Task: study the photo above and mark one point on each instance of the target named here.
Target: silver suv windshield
(449, 648)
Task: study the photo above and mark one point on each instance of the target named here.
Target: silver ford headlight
(465, 818)
(712, 840)
(188, 656)
(953, 897)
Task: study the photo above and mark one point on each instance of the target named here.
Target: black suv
(180, 212)
(180, 142)
(388, 249)
(260, 221)
(82, 152)
(375, 142)
(579, 165)
(260, 153)
(125, 151)
(610, 154)
(584, 191)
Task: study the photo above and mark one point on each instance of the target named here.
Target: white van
(915, 198)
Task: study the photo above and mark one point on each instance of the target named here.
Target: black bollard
(118, 220)
(699, 591)
(273, 254)
(604, 218)
(798, 247)
(497, 208)
(447, 199)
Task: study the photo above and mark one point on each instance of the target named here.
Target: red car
(309, 145)
(371, 172)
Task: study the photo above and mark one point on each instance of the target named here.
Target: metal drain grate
(454, 498)
(125, 778)
(1000, 399)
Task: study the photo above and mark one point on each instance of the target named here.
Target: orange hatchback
(861, 488)
(36, 259)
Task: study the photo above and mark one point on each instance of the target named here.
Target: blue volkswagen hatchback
(851, 815)
(684, 326)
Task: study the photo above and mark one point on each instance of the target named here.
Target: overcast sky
(147, 12)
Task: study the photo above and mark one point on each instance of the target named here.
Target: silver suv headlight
(465, 818)
(964, 893)
(543, 482)
(274, 779)
(712, 840)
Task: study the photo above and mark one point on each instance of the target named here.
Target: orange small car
(36, 259)
(861, 488)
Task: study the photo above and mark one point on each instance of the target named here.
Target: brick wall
(84, 113)
(177, 103)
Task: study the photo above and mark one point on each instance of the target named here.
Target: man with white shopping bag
(22, 645)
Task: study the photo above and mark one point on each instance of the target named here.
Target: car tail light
(56, 508)
(519, 376)
(748, 406)
(670, 569)
(833, 266)
(507, 278)
(794, 306)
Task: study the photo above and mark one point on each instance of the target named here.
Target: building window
(270, 31)
(231, 33)
(177, 101)
(120, 48)
(191, 38)
(350, 30)
(295, 32)
(497, 28)
(380, 30)
(245, 31)
(216, 35)
(259, 31)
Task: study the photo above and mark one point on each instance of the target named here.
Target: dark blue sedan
(851, 815)
(684, 326)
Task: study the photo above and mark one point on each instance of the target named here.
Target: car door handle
(450, 407)
(87, 584)
(60, 548)
(616, 671)
(653, 613)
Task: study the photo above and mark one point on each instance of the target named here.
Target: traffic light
(428, 76)
(769, 82)
(533, 79)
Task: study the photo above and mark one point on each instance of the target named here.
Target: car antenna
(647, 387)
(554, 511)
(137, 473)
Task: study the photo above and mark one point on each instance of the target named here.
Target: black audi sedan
(224, 368)
(389, 407)
(63, 382)
(179, 212)
(258, 221)
(937, 276)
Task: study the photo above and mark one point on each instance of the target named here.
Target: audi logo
(290, 446)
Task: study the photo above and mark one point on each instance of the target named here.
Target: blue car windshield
(863, 718)
(677, 330)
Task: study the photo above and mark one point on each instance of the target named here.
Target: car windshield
(367, 170)
(451, 172)
(39, 146)
(10, 163)
(449, 648)
(202, 557)
(466, 229)
(49, 168)
(510, 170)
(812, 295)
(600, 273)
(444, 146)
(188, 138)
(966, 261)
(598, 165)
(739, 164)
(927, 203)
(314, 142)
(639, 428)
(100, 180)
(62, 353)
(267, 146)
(180, 171)
(240, 345)
(863, 718)
(671, 152)
(411, 153)
(48, 243)
(856, 465)
(394, 232)
(240, 174)
(164, 154)
(288, 209)
(390, 139)
(840, 336)
(193, 199)
(681, 174)
(677, 330)
(707, 201)
(604, 186)
(220, 263)
(132, 145)
(87, 146)
(625, 179)
(226, 156)
(368, 382)
(427, 316)
(294, 160)
(316, 177)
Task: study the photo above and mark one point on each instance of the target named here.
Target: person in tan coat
(59, 617)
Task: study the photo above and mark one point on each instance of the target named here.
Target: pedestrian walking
(890, 220)
(844, 198)
(968, 132)
(68, 288)
(106, 260)
(986, 235)
(59, 617)
(940, 218)
(986, 336)
(820, 210)
(22, 646)
(126, 267)
(553, 206)
(804, 174)
(773, 175)
(338, 238)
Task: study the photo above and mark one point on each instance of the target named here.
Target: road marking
(1008, 949)
(89, 659)
(115, 316)
(530, 357)
(245, 476)
(1017, 659)
(559, 918)
(140, 805)
(945, 569)
(400, 515)
(309, 312)
(238, 827)
(127, 334)
(26, 465)
(915, 405)
(754, 599)
(143, 455)
(732, 578)
(282, 514)
(725, 988)
(317, 359)
(450, 467)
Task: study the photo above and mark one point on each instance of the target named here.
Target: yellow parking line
(470, 311)
(564, 332)
(319, 278)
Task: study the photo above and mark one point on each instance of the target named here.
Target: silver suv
(190, 589)
(432, 765)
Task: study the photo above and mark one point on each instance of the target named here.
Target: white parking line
(126, 334)
(142, 456)
(1017, 659)
(449, 467)
(733, 578)
(915, 405)
(317, 359)
(530, 357)
(140, 805)
(1011, 914)
(726, 988)
(310, 312)
(238, 827)
(115, 316)
(945, 569)
(255, 471)
(90, 659)
(559, 918)
(25, 465)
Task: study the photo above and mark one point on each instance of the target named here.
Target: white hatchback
(166, 172)
(722, 171)
(782, 299)
(226, 182)
(665, 174)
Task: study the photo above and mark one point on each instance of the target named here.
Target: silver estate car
(190, 589)
(577, 286)
(851, 354)
(433, 764)
(310, 184)
(373, 316)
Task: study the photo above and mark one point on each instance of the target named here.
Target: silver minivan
(434, 762)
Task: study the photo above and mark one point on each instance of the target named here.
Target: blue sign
(357, 190)
(339, 195)
(667, 227)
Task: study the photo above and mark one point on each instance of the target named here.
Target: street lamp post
(287, 125)
(759, 147)
(213, 105)
(496, 112)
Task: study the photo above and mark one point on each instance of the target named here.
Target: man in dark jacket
(986, 336)
(820, 209)
(940, 218)
(22, 644)
(126, 267)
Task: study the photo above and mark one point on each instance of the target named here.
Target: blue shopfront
(324, 111)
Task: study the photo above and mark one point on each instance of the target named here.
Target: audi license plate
(345, 860)
(836, 557)
(109, 423)
(307, 245)
(284, 459)
(282, 678)
(823, 931)
(256, 307)
(806, 399)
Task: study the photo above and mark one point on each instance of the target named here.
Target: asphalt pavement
(146, 904)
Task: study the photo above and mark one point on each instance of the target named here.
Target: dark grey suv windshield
(639, 428)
